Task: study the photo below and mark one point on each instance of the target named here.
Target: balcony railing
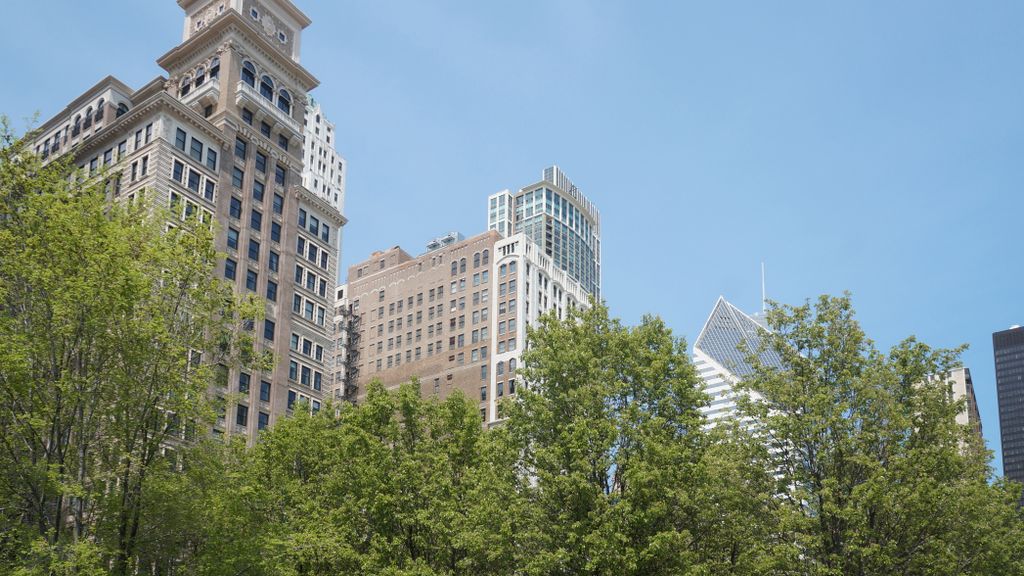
(211, 86)
(268, 107)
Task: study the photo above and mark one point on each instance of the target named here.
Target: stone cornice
(326, 209)
(161, 101)
(63, 116)
(232, 21)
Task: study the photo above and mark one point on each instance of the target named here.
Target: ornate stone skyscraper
(222, 136)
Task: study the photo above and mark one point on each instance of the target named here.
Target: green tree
(378, 488)
(612, 470)
(877, 476)
(103, 310)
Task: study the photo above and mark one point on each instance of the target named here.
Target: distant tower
(720, 360)
(559, 219)
(1008, 348)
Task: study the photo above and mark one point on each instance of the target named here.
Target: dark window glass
(236, 208)
(193, 181)
(256, 220)
(263, 421)
(241, 148)
(275, 232)
(237, 175)
(229, 269)
(247, 116)
(261, 162)
(179, 139)
(273, 261)
(250, 280)
(242, 415)
(232, 238)
(196, 151)
(268, 329)
(178, 171)
(272, 291)
(282, 141)
(264, 391)
(211, 159)
(265, 129)
(257, 191)
(278, 204)
(254, 250)
(279, 175)
(243, 382)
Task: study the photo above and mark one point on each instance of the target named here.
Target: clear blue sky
(874, 147)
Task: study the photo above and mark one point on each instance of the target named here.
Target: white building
(720, 356)
(324, 170)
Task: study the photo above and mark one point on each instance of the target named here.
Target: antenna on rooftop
(764, 298)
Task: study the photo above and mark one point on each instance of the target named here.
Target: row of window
(310, 281)
(200, 185)
(273, 258)
(307, 347)
(309, 309)
(265, 129)
(305, 375)
(195, 79)
(312, 252)
(312, 223)
(266, 87)
(479, 259)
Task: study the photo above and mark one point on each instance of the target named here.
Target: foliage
(100, 308)
(877, 476)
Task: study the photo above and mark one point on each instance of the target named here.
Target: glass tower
(559, 219)
(1008, 348)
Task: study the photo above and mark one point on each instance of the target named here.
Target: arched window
(462, 266)
(500, 368)
(487, 257)
(284, 102)
(122, 109)
(249, 74)
(184, 86)
(267, 88)
(214, 68)
(88, 118)
(512, 366)
(476, 260)
(77, 126)
(99, 110)
(455, 268)
(200, 76)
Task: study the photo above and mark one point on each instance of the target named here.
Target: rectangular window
(145, 166)
(264, 391)
(257, 190)
(178, 171)
(235, 210)
(232, 238)
(149, 133)
(179, 140)
(261, 162)
(265, 129)
(302, 218)
(229, 268)
(247, 116)
(314, 225)
(196, 150)
(282, 141)
(263, 421)
(256, 220)
(211, 159)
(193, 180)
(250, 280)
(240, 148)
(278, 204)
(122, 148)
(280, 175)
(108, 157)
(268, 330)
(138, 139)
(242, 415)
(304, 375)
(291, 397)
(273, 260)
(275, 232)
(208, 193)
(254, 250)
(243, 383)
(271, 290)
